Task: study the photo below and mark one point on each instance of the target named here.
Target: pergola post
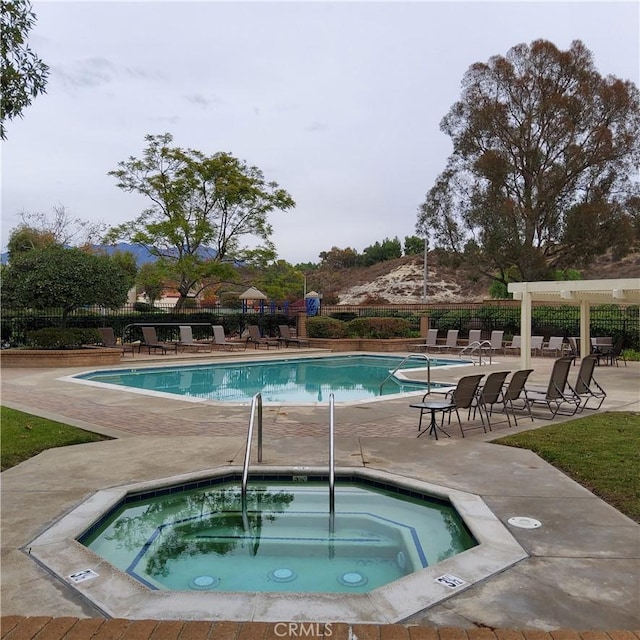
(525, 327)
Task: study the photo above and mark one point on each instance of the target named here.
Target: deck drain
(523, 522)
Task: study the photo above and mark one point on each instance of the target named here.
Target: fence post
(424, 326)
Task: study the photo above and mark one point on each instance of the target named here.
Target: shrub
(142, 307)
(321, 327)
(56, 338)
(378, 328)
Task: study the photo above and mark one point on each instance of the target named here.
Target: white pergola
(584, 293)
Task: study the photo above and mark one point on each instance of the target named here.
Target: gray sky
(338, 102)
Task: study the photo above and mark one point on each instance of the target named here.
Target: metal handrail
(411, 355)
(332, 465)
(476, 346)
(256, 403)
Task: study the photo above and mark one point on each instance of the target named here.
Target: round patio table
(433, 406)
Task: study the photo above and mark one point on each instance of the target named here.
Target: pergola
(584, 293)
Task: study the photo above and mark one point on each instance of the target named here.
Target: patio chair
(188, 343)
(555, 346)
(490, 394)
(586, 386)
(558, 394)
(220, 340)
(464, 397)
(451, 343)
(496, 341)
(259, 341)
(536, 345)
(515, 391)
(151, 341)
(475, 335)
(287, 338)
(616, 353)
(430, 341)
(109, 340)
(514, 346)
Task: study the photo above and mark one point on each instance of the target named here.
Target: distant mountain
(141, 255)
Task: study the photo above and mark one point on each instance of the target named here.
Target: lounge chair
(475, 335)
(451, 343)
(109, 340)
(287, 338)
(495, 340)
(220, 341)
(188, 343)
(586, 386)
(260, 341)
(559, 397)
(151, 341)
(430, 342)
(555, 346)
(464, 397)
(490, 394)
(516, 391)
(536, 344)
(514, 345)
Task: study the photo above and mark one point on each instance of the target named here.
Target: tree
(339, 258)
(413, 246)
(542, 172)
(201, 208)
(280, 281)
(23, 74)
(55, 277)
(151, 279)
(381, 252)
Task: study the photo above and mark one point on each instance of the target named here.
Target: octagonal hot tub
(188, 548)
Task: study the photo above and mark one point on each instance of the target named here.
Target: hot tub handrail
(332, 465)
(256, 403)
(422, 356)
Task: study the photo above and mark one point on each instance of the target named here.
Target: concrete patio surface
(582, 569)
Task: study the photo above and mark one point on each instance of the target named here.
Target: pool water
(200, 539)
(292, 380)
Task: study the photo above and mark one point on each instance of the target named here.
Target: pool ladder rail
(476, 348)
(421, 356)
(256, 410)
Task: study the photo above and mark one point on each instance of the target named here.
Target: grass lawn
(601, 452)
(23, 436)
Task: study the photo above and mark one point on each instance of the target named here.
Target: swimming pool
(200, 539)
(290, 380)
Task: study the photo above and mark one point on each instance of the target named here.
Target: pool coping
(117, 594)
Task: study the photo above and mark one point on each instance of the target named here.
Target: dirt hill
(400, 281)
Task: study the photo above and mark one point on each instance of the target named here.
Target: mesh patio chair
(430, 342)
(220, 340)
(188, 343)
(555, 346)
(151, 341)
(464, 397)
(515, 391)
(560, 398)
(451, 343)
(260, 341)
(109, 340)
(513, 346)
(586, 386)
(287, 338)
(491, 394)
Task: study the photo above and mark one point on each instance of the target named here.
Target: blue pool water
(294, 380)
(200, 539)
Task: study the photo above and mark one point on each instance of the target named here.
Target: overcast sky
(338, 102)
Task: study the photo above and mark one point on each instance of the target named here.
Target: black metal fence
(560, 320)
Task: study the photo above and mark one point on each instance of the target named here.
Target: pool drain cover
(352, 579)
(524, 523)
(282, 575)
(204, 582)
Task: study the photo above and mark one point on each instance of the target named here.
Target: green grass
(23, 436)
(601, 452)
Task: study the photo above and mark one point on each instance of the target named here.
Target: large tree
(202, 207)
(23, 75)
(543, 173)
(60, 278)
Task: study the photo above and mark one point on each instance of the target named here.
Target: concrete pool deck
(583, 564)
